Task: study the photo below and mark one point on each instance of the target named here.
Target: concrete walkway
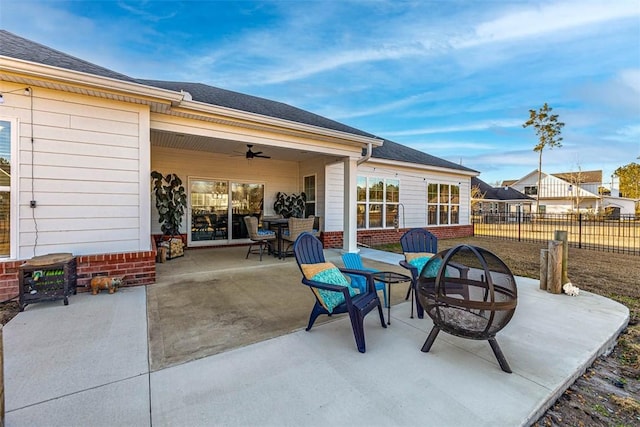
(87, 364)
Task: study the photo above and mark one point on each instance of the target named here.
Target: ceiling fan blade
(261, 156)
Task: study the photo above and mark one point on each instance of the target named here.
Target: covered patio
(122, 367)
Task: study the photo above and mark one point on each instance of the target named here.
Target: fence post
(554, 267)
(544, 263)
(519, 222)
(580, 230)
(562, 236)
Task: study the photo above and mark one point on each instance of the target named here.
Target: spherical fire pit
(468, 292)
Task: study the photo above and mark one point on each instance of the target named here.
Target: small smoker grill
(468, 292)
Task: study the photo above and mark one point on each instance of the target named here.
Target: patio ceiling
(224, 146)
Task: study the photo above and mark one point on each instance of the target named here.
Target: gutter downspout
(366, 156)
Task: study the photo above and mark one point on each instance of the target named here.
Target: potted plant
(171, 202)
(290, 205)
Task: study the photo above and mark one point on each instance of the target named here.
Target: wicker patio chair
(297, 226)
(262, 238)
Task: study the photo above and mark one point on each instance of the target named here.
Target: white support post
(350, 227)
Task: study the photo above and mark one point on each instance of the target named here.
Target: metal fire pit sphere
(468, 292)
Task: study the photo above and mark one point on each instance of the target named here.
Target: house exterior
(562, 192)
(78, 144)
(506, 201)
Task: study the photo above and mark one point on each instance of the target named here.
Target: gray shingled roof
(253, 104)
(497, 193)
(14, 46)
(393, 151)
(20, 48)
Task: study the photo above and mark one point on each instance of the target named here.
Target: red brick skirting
(139, 268)
(333, 239)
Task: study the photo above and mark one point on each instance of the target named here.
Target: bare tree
(576, 179)
(548, 130)
(476, 198)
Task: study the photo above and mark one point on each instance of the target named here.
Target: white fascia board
(195, 106)
(77, 78)
(420, 167)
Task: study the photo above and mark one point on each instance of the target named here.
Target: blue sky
(455, 79)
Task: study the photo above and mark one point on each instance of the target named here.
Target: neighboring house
(486, 199)
(562, 192)
(82, 140)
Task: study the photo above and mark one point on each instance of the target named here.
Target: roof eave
(31, 71)
(428, 168)
(203, 107)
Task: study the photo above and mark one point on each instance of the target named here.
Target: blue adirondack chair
(331, 289)
(421, 241)
(353, 261)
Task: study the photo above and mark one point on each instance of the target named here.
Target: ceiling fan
(251, 154)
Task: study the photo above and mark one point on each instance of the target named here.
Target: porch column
(349, 237)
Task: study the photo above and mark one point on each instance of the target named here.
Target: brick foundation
(139, 268)
(333, 239)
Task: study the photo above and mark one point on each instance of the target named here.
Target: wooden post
(562, 236)
(544, 256)
(554, 267)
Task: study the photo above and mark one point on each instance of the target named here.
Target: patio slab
(87, 364)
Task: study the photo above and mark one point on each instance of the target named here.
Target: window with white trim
(377, 202)
(443, 204)
(6, 129)
(309, 188)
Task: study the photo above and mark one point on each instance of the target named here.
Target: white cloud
(485, 125)
(536, 20)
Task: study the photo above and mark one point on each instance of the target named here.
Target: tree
(548, 130)
(629, 176)
(576, 179)
(476, 198)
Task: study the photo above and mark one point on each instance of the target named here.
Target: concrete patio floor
(88, 364)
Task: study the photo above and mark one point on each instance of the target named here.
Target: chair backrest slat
(308, 250)
(419, 240)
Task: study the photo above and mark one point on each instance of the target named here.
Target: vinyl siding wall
(413, 192)
(90, 168)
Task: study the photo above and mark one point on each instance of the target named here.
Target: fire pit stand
(476, 305)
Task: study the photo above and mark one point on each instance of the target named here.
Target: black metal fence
(610, 234)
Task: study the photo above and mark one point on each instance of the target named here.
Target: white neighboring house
(80, 141)
(571, 192)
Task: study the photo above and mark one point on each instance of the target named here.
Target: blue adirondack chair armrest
(327, 286)
(336, 288)
(463, 269)
(371, 286)
(413, 269)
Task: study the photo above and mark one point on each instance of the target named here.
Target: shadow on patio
(214, 300)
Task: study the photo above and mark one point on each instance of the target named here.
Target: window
(377, 202)
(443, 204)
(6, 129)
(309, 188)
(531, 190)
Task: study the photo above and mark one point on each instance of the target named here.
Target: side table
(390, 278)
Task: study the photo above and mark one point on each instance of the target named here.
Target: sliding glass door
(213, 218)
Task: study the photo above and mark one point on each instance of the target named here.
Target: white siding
(413, 192)
(85, 162)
